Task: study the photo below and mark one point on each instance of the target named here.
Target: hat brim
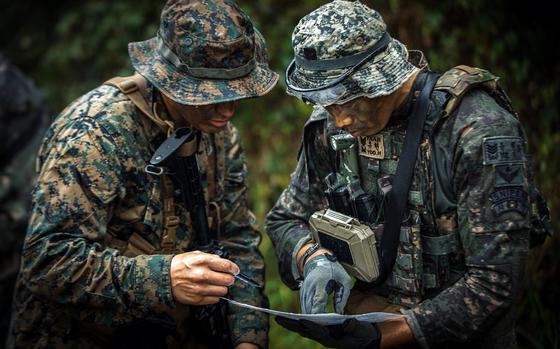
(188, 90)
(380, 77)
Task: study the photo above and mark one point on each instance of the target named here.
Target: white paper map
(322, 319)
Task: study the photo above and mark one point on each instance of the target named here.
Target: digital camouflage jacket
(76, 286)
(457, 272)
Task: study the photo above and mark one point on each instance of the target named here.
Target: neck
(404, 90)
(174, 112)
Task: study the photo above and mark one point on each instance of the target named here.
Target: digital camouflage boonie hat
(343, 51)
(205, 52)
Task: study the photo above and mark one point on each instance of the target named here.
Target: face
(363, 116)
(207, 118)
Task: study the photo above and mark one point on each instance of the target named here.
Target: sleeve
(241, 238)
(490, 182)
(64, 258)
(287, 222)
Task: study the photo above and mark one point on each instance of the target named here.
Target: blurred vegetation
(69, 47)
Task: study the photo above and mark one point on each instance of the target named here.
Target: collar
(155, 134)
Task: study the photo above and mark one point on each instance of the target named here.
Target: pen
(246, 280)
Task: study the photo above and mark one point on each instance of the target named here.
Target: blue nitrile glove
(351, 334)
(323, 275)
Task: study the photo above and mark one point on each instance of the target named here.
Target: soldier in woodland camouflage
(23, 117)
(471, 206)
(95, 270)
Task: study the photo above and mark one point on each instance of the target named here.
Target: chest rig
(171, 223)
(429, 255)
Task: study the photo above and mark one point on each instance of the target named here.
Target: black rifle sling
(398, 196)
(178, 152)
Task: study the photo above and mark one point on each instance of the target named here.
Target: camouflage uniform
(458, 269)
(83, 282)
(24, 121)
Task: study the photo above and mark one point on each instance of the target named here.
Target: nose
(342, 120)
(226, 109)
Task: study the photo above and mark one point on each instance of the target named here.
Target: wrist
(395, 333)
(307, 252)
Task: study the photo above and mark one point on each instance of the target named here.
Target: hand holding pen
(199, 278)
(245, 279)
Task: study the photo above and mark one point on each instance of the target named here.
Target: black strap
(346, 61)
(398, 196)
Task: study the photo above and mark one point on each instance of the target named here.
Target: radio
(353, 243)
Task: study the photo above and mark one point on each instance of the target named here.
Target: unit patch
(509, 174)
(372, 146)
(499, 150)
(509, 199)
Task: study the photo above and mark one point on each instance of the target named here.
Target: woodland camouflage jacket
(76, 285)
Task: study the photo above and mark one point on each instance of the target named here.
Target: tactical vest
(422, 260)
(429, 257)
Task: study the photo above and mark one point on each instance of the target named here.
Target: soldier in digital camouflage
(471, 210)
(110, 259)
(23, 116)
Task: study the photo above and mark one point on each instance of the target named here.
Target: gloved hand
(351, 334)
(323, 275)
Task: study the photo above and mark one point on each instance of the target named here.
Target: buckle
(128, 87)
(172, 222)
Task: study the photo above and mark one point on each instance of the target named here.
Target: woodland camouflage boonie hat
(205, 52)
(343, 51)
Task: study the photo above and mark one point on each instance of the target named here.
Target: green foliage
(70, 47)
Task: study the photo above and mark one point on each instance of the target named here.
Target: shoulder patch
(509, 174)
(502, 150)
(509, 199)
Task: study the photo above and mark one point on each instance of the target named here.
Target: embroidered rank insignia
(509, 199)
(372, 146)
(500, 150)
(509, 174)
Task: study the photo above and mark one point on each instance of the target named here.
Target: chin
(370, 132)
(362, 133)
(212, 129)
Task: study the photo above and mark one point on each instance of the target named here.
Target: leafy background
(69, 47)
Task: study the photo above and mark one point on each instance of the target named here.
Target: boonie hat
(205, 52)
(343, 51)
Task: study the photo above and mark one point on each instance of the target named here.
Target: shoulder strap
(397, 197)
(457, 82)
(135, 88)
(461, 79)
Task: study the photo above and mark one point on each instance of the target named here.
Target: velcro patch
(509, 199)
(509, 174)
(372, 146)
(502, 149)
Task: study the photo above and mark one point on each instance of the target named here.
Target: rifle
(177, 156)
